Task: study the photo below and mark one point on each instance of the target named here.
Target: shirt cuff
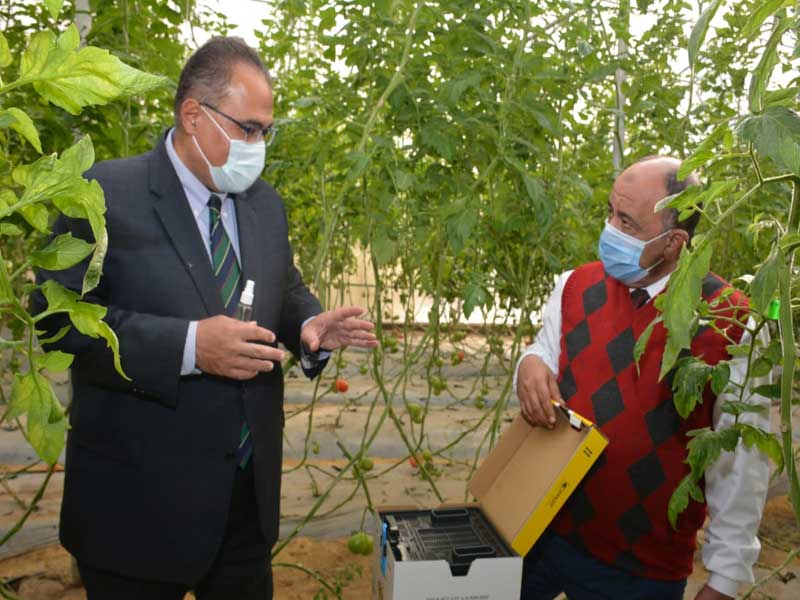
(724, 585)
(309, 360)
(189, 364)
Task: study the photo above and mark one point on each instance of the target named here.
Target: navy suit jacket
(150, 462)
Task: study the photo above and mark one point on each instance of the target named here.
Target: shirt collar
(196, 192)
(657, 286)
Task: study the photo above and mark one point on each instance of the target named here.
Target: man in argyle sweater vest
(612, 539)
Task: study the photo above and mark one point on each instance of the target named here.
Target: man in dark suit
(173, 477)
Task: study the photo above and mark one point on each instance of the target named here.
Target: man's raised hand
(338, 328)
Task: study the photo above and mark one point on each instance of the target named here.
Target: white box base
(487, 578)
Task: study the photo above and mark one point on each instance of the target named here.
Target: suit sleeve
(299, 304)
(151, 346)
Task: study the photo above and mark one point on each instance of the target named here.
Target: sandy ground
(46, 573)
(39, 569)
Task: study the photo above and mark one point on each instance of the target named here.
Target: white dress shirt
(198, 194)
(735, 485)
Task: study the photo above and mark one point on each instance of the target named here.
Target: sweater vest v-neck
(619, 512)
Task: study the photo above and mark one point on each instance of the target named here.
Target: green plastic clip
(774, 310)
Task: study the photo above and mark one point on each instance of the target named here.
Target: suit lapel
(249, 243)
(259, 246)
(176, 216)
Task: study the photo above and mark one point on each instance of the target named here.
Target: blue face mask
(621, 253)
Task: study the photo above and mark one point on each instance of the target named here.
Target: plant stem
(20, 502)
(311, 573)
(786, 325)
(39, 494)
(789, 558)
(310, 515)
(5, 593)
(365, 136)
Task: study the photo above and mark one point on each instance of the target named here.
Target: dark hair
(675, 186)
(689, 224)
(208, 71)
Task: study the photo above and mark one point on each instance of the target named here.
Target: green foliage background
(468, 147)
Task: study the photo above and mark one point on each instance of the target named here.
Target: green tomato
(438, 385)
(415, 412)
(367, 545)
(360, 543)
(354, 544)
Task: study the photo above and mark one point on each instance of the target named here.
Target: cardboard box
(529, 475)
(495, 578)
(520, 486)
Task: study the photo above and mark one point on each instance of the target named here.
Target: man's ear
(677, 239)
(189, 113)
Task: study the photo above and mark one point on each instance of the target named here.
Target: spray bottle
(244, 311)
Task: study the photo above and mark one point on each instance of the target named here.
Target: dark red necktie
(639, 297)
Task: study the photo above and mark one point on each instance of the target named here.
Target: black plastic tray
(456, 535)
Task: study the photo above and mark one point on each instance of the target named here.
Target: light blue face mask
(621, 253)
(244, 165)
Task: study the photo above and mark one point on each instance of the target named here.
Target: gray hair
(208, 71)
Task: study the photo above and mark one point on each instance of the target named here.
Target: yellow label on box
(583, 458)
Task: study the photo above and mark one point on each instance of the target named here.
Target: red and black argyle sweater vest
(619, 512)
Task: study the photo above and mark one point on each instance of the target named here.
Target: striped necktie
(223, 258)
(228, 276)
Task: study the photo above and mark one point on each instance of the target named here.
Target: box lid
(516, 476)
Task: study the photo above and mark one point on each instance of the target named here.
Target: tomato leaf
(775, 133)
(698, 35)
(23, 125)
(62, 252)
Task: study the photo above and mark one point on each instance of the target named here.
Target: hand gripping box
(473, 551)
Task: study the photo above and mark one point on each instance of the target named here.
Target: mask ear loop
(660, 235)
(213, 120)
(197, 144)
(200, 150)
(661, 260)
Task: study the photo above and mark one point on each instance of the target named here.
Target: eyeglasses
(251, 132)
